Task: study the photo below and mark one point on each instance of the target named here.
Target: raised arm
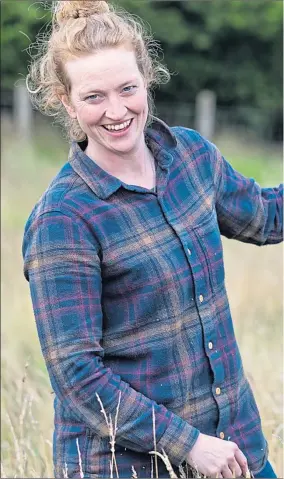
(62, 265)
(246, 211)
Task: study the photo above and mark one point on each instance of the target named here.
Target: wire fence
(255, 123)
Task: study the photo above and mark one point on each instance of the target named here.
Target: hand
(215, 457)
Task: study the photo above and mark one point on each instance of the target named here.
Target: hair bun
(64, 10)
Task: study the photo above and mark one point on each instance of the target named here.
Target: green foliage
(232, 47)
(20, 22)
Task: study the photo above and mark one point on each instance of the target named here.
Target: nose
(116, 110)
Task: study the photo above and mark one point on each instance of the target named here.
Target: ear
(70, 110)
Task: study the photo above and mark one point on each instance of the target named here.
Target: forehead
(103, 70)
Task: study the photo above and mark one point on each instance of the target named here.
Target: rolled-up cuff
(178, 440)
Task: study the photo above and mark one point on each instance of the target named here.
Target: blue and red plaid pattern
(129, 298)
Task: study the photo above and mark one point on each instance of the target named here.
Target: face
(109, 99)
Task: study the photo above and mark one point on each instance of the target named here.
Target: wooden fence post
(205, 113)
(22, 113)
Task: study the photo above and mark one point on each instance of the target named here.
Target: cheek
(139, 103)
(89, 114)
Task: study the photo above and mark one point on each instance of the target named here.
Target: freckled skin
(102, 74)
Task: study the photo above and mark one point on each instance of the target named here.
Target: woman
(124, 259)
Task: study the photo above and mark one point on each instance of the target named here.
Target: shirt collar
(160, 139)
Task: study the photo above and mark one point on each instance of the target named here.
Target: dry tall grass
(254, 282)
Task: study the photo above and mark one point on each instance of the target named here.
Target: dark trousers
(266, 472)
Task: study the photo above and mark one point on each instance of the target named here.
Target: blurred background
(226, 59)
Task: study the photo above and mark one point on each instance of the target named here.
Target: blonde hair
(79, 28)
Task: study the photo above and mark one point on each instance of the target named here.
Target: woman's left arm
(246, 211)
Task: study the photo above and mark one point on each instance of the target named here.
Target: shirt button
(218, 391)
(201, 298)
(210, 345)
(189, 252)
(222, 435)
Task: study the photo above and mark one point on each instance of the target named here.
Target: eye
(93, 97)
(129, 88)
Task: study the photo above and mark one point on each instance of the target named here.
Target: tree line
(231, 47)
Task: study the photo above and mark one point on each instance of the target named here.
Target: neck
(131, 163)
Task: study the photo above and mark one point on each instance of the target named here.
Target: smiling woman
(112, 115)
(94, 76)
(124, 258)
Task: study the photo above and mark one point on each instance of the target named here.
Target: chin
(123, 145)
(123, 149)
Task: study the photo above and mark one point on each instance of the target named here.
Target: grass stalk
(16, 445)
(80, 459)
(3, 475)
(134, 473)
(167, 463)
(155, 442)
(182, 472)
(112, 433)
(65, 471)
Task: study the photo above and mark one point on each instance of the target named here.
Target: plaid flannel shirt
(129, 298)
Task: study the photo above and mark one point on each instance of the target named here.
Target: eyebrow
(97, 90)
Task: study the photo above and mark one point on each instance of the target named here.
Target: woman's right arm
(62, 265)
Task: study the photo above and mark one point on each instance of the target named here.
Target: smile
(119, 127)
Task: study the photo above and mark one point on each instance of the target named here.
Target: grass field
(254, 283)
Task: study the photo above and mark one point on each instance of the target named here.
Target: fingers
(226, 472)
(230, 471)
(235, 468)
(242, 461)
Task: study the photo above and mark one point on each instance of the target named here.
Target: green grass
(259, 161)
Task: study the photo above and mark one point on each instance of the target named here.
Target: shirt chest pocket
(208, 238)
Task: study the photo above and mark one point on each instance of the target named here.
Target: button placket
(199, 300)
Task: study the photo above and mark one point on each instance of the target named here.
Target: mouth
(119, 129)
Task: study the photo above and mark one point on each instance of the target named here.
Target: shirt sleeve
(246, 211)
(62, 265)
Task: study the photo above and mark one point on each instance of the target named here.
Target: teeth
(118, 127)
